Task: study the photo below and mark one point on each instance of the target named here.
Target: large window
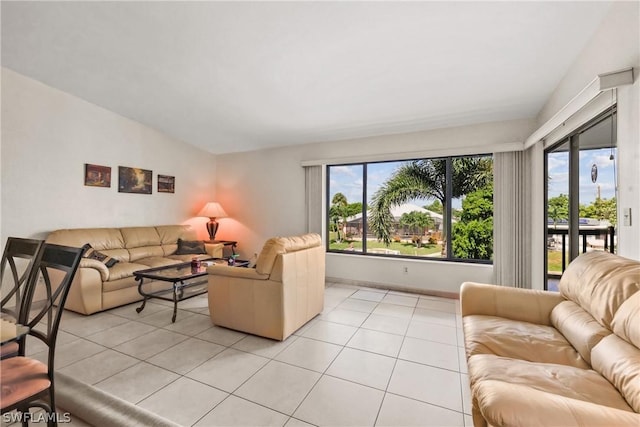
(438, 208)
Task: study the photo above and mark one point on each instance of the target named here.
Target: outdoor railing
(608, 232)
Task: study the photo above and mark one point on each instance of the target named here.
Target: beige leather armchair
(283, 292)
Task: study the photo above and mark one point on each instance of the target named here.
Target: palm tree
(554, 213)
(426, 179)
(339, 206)
(558, 208)
(416, 222)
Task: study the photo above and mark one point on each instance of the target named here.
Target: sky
(348, 181)
(558, 164)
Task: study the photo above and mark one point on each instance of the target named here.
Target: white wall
(614, 46)
(263, 192)
(48, 136)
(629, 167)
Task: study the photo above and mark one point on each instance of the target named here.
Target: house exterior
(354, 223)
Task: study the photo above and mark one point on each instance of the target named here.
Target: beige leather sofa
(283, 292)
(557, 359)
(96, 287)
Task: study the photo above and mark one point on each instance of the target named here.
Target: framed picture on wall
(166, 184)
(134, 180)
(97, 176)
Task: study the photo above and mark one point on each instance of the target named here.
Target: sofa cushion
(136, 254)
(626, 322)
(619, 362)
(578, 327)
(562, 380)
(600, 282)
(169, 234)
(135, 237)
(121, 255)
(99, 238)
(526, 305)
(521, 340)
(124, 269)
(156, 261)
(501, 403)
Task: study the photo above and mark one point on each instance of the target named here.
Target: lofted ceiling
(237, 76)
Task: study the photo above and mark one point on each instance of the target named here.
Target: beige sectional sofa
(283, 292)
(557, 359)
(96, 287)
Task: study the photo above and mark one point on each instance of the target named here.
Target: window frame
(573, 139)
(448, 218)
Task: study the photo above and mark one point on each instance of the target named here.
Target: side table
(231, 243)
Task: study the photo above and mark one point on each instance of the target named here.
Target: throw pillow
(190, 247)
(91, 253)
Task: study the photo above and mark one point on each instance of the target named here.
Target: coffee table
(176, 282)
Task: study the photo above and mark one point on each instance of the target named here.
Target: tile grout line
(328, 366)
(395, 363)
(273, 357)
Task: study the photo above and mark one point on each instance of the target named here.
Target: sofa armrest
(525, 305)
(214, 249)
(240, 272)
(96, 265)
(85, 294)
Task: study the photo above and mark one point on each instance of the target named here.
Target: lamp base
(212, 228)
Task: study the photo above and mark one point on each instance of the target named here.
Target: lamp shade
(212, 210)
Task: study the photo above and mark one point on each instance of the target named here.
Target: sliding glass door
(580, 195)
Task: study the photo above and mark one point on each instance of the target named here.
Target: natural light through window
(437, 208)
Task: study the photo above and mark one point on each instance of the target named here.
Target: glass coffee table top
(178, 272)
(177, 282)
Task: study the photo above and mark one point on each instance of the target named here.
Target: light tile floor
(373, 357)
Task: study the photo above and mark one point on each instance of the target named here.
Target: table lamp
(212, 210)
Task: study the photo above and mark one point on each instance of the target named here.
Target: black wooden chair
(27, 382)
(18, 259)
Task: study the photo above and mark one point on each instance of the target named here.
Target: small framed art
(166, 184)
(134, 180)
(97, 176)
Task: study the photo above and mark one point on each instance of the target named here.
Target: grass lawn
(554, 261)
(403, 247)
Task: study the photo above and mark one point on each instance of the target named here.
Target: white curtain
(512, 219)
(313, 198)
